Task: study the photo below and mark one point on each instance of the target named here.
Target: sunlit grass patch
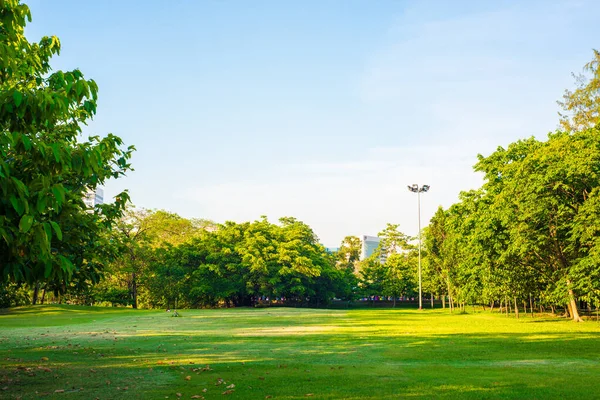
(54, 352)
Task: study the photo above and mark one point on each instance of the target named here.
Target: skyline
(324, 112)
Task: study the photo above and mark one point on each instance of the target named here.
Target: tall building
(369, 245)
(93, 198)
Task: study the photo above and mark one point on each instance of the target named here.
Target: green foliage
(581, 106)
(169, 261)
(13, 295)
(46, 232)
(531, 231)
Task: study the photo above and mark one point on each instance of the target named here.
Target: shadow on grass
(330, 366)
(363, 354)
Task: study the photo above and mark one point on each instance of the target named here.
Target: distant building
(93, 198)
(369, 246)
(332, 250)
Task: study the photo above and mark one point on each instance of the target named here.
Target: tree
(143, 234)
(400, 279)
(392, 240)
(582, 106)
(347, 261)
(44, 170)
(543, 193)
(348, 254)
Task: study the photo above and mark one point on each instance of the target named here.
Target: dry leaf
(228, 391)
(205, 390)
(309, 394)
(178, 394)
(268, 397)
(187, 378)
(197, 396)
(44, 358)
(231, 386)
(59, 391)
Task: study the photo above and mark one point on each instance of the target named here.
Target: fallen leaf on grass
(178, 394)
(44, 358)
(231, 386)
(268, 397)
(59, 391)
(309, 394)
(197, 396)
(5, 388)
(205, 390)
(228, 391)
(187, 378)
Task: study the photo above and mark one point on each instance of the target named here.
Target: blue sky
(322, 110)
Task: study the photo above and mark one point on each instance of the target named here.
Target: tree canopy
(47, 233)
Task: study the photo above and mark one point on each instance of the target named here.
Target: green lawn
(282, 353)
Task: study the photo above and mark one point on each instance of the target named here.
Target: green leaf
(48, 231)
(21, 188)
(65, 263)
(4, 236)
(56, 152)
(17, 97)
(41, 203)
(26, 142)
(59, 193)
(47, 269)
(25, 223)
(56, 230)
(17, 204)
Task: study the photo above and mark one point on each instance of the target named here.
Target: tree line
(530, 236)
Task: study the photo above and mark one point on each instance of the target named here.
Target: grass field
(68, 352)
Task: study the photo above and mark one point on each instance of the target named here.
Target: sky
(324, 110)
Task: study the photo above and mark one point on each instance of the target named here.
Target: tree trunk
(525, 307)
(506, 306)
(516, 308)
(573, 305)
(492, 306)
(36, 290)
(134, 290)
(43, 296)
(431, 300)
(531, 305)
(449, 295)
(443, 301)
(394, 301)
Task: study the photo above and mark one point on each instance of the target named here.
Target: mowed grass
(68, 352)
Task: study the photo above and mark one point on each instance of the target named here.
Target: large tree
(45, 167)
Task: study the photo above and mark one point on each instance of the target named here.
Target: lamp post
(418, 190)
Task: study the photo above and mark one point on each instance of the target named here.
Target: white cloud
(339, 199)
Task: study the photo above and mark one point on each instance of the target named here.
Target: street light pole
(416, 189)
